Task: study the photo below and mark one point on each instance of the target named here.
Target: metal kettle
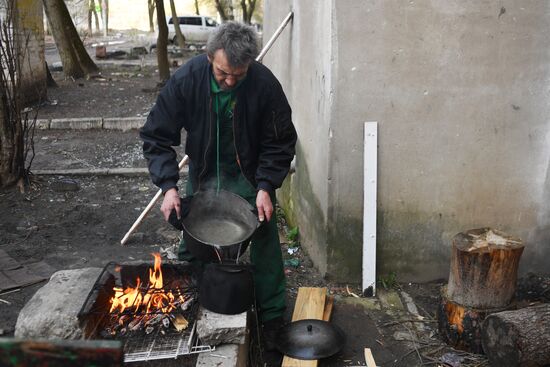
(227, 288)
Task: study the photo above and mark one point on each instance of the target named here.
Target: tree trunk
(105, 16)
(460, 326)
(162, 43)
(518, 338)
(248, 7)
(76, 61)
(482, 281)
(484, 268)
(151, 8)
(220, 7)
(197, 7)
(96, 17)
(90, 11)
(175, 20)
(12, 143)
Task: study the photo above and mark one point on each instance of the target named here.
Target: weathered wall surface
(460, 91)
(301, 60)
(30, 40)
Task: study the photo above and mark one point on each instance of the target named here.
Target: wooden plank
(310, 304)
(60, 353)
(327, 313)
(369, 358)
(370, 177)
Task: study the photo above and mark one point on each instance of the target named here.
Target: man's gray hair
(238, 40)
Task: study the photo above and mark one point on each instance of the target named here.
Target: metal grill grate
(163, 342)
(172, 345)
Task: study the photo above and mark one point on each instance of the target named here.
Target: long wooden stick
(186, 158)
(152, 203)
(369, 358)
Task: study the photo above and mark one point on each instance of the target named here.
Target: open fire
(153, 305)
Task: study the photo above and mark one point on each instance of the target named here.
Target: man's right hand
(171, 201)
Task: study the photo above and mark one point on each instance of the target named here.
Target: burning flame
(152, 298)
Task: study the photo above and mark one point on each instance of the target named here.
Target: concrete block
(52, 311)
(214, 328)
(366, 303)
(226, 355)
(123, 123)
(77, 123)
(42, 124)
(390, 300)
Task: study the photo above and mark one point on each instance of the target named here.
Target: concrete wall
(460, 91)
(301, 60)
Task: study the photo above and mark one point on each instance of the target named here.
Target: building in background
(460, 92)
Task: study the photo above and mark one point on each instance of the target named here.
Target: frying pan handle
(259, 224)
(185, 205)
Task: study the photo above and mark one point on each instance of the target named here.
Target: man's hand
(171, 201)
(264, 205)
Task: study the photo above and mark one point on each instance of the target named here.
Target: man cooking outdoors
(240, 138)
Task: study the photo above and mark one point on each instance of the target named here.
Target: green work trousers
(265, 254)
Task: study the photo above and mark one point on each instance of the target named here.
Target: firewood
(518, 338)
(484, 265)
(180, 323)
(482, 280)
(460, 326)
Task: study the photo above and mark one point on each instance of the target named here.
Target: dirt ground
(76, 222)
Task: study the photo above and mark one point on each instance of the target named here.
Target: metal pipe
(274, 37)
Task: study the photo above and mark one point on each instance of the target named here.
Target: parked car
(195, 28)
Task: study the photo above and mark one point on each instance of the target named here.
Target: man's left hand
(264, 205)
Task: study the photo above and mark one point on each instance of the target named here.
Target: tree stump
(518, 338)
(482, 280)
(460, 326)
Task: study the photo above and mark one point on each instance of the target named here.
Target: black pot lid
(310, 339)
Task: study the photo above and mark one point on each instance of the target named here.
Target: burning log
(482, 280)
(518, 338)
(146, 307)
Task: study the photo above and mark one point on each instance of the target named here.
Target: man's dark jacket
(263, 131)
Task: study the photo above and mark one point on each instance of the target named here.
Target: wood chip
(180, 323)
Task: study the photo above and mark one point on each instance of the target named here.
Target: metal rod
(185, 159)
(149, 206)
(274, 37)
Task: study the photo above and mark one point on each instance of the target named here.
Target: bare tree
(162, 43)
(225, 9)
(179, 36)
(248, 7)
(151, 9)
(76, 61)
(16, 132)
(92, 12)
(105, 16)
(197, 7)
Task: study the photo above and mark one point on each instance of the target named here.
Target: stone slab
(42, 124)
(214, 328)
(77, 123)
(367, 303)
(226, 355)
(52, 311)
(390, 300)
(123, 123)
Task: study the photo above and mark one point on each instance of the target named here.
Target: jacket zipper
(237, 151)
(207, 145)
(275, 125)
